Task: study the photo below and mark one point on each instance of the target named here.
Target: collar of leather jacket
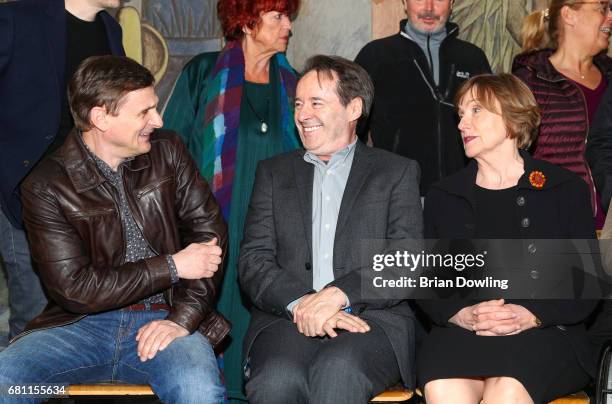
(81, 167)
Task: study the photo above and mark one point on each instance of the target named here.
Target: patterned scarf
(222, 119)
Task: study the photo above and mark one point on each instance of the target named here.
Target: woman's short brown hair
(519, 109)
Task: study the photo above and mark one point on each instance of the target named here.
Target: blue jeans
(102, 348)
(26, 296)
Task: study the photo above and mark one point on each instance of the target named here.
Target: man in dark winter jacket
(416, 74)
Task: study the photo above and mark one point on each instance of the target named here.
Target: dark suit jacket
(381, 201)
(32, 60)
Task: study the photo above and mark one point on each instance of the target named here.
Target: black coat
(559, 210)
(411, 115)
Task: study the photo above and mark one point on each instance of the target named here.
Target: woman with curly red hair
(234, 108)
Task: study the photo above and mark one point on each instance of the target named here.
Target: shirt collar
(106, 170)
(337, 157)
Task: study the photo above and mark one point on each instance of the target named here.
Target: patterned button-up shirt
(136, 246)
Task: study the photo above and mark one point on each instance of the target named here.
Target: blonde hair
(519, 109)
(541, 28)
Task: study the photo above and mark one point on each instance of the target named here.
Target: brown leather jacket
(76, 237)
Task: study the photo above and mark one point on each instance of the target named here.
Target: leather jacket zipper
(131, 206)
(168, 293)
(112, 193)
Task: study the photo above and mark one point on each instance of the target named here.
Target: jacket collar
(452, 30)
(538, 61)
(462, 182)
(358, 175)
(81, 167)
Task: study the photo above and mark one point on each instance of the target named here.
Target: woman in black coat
(526, 351)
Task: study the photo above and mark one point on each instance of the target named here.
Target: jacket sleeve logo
(463, 75)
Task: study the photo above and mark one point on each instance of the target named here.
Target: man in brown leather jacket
(129, 241)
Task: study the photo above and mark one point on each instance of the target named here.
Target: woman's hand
(467, 317)
(508, 319)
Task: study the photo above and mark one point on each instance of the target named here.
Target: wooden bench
(389, 396)
(109, 389)
(576, 398)
(398, 395)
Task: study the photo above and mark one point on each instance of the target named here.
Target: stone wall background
(339, 27)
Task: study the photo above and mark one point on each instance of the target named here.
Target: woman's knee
(459, 391)
(505, 390)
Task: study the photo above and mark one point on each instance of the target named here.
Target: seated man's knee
(188, 372)
(15, 369)
(191, 385)
(505, 390)
(342, 368)
(277, 380)
(341, 361)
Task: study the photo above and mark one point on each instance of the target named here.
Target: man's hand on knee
(198, 260)
(313, 310)
(156, 336)
(344, 321)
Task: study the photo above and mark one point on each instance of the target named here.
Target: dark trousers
(288, 367)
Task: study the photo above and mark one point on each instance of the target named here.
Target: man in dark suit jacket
(43, 42)
(313, 337)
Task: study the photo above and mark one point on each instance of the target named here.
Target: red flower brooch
(537, 179)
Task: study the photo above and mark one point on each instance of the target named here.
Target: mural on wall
(338, 27)
(494, 26)
(143, 43)
(187, 27)
(180, 19)
(165, 34)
